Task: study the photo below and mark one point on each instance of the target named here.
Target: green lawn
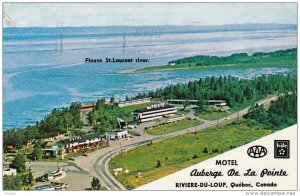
(172, 127)
(213, 115)
(182, 151)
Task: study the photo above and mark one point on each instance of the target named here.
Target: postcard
(150, 96)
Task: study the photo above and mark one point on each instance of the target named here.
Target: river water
(44, 68)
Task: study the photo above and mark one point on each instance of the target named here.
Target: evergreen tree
(19, 163)
(37, 152)
(95, 184)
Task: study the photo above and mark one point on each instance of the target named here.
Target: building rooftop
(193, 100)
(216, 101)
(154, 108)
(117, 131)
(82, 138)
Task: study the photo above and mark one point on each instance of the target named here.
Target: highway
(100, 166)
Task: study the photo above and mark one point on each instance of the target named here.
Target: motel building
(195, 102)
(85, 142)
(154, 112)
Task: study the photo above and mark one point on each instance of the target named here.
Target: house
(154, 112)
(9, 172)
(116, 135)
(9, 147)
(51, 151)
(88, 107)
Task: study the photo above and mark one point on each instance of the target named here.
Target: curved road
(101, 165)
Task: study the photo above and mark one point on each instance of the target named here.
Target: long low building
(79, 143)
(154, 112)
(195, 102)
(182, 101)
(217, 102)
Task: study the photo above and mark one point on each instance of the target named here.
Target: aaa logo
(257, 151)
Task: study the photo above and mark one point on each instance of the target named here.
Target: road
(100, 166)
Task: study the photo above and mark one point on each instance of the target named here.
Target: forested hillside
(237, 92)
(58, 121)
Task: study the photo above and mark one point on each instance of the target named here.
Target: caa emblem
(257, 151)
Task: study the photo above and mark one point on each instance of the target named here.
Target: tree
(19, 163)
(11, 183)
(205, 150)
(200, 106)
(37, 152)
(280, 114)
(95, 184)
(112, 100)
(30, 177)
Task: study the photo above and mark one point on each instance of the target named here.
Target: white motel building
(154, 112)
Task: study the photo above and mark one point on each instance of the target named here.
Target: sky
(131, 14)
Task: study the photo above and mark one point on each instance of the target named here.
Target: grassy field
(182, 151)
(213, 115)
(172, 127)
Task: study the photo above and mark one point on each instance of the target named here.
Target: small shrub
(158, 164)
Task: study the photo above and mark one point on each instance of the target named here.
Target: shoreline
(213, 67)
